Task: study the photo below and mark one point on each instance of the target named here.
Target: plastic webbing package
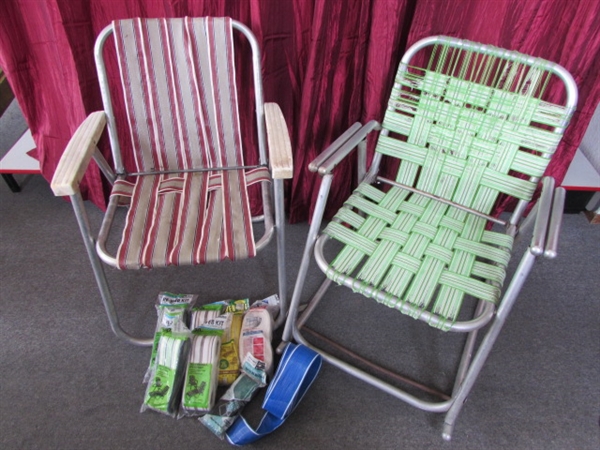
(172, 310)
(200, 385)
(163, 392)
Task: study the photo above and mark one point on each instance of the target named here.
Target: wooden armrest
(76, 157)
(278, 139)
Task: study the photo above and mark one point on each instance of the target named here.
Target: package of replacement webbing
(163, 392)
(172, 315)
(257, 331)
(200, 385)
(256, 354)
(229, 364)
(208, 324)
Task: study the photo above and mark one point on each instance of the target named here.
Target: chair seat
(181, 219)
(416, 250)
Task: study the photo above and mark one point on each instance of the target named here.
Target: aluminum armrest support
(333, 147)
(280, 147)
(77, 155)
(542, 221)
(341, 148)
(558, 206)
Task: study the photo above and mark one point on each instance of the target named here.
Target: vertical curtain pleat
(328, 63)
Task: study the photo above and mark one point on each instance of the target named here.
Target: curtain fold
(327, 63)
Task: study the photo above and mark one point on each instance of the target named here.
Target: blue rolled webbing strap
(297, 370)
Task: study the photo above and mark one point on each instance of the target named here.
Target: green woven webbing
(468, 127)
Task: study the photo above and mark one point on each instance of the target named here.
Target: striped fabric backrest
(178, 79)
(472, 125)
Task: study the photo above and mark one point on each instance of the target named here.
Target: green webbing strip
(529, 164)
(348, 237)
(470, 286)
(350, 217)
(497, 239)
(490, 272)
(371, 208)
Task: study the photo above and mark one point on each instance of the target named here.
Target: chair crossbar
(201, 169)
(442, 200)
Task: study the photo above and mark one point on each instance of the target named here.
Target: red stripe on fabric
(249, 237)
(126, 82)
(155, 212)
(219, 139)
(179, 201)
(201, 254)
(176, 107)
(183, 217)
(122, 188)
(138, 32)
(238, 160)
(153, 117)
(258, 175)
(134, 210)
(205, 128)
(182, 157)
(210, 153)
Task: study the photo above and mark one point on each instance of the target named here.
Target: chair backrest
(178, 78)
(472, 121)
(178, 82)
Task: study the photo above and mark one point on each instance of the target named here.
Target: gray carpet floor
(66, 382)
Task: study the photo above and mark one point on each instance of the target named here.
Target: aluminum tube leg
(281, 272)
(314, 302)
(310, 242)
(361, 160)
(98, 269)
(488, 342)
(467, 354)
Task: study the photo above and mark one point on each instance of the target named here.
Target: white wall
(590, 145)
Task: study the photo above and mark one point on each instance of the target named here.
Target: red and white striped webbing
(178, 80)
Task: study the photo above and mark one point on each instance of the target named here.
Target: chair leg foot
(281, 347)
(447, 431)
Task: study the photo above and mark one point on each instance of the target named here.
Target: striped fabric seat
(178, 80)
(466, 129)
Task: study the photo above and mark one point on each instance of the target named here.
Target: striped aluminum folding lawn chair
(465, 124)
(188, 193)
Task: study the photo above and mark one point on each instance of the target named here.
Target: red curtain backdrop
(328, 63)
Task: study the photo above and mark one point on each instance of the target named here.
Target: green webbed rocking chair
(470, 124)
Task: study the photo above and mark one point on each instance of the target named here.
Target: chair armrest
(278, 139)
(558, 207)
(76, 157)
(333, 147)
(549, 219)
(342, 147)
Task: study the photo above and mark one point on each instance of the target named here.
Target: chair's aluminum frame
(545, 217)
(96, 249)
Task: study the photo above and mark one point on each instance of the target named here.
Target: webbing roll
(297, 370)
